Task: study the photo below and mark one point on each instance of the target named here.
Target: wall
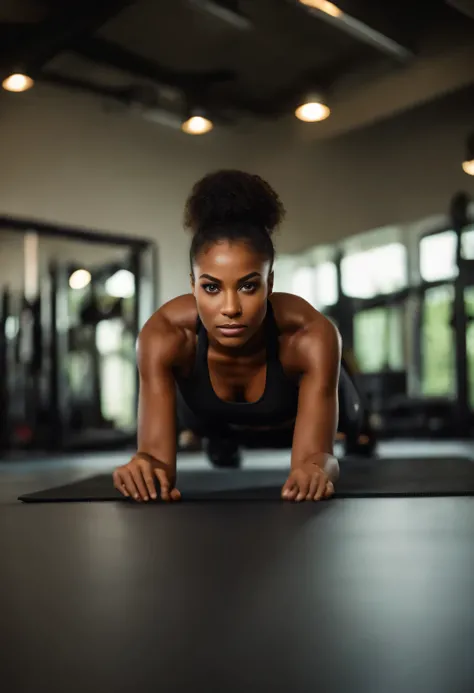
(396, 172)
(68, 159)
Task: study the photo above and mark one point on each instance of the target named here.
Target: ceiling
(236, 59)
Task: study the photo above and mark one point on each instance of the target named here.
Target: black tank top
(279, 401)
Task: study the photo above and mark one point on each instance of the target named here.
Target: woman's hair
(231, 206)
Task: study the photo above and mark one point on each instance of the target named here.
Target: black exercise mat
(360, 478)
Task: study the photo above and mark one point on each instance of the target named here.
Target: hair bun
(231, 197)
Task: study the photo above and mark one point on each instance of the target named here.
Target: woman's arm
(319, 354)
(160, 348)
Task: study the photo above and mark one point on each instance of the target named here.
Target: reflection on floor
(17, 477)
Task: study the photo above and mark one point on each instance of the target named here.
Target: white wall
(66, 159)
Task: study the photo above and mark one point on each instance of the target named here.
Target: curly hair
(233, 205)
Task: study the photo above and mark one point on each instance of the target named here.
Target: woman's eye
(249, 287)
(210, 288)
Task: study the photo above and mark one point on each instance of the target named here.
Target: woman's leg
(220, 446)
(354, 422)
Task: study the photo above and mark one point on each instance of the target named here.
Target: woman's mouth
(231, 330)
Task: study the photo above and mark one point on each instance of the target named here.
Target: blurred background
(359, 113)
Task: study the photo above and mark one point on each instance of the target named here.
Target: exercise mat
(360, 478)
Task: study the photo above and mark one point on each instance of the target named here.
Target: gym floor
(352, 595)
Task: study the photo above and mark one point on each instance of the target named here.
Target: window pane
(317, 285)
(437, 347)
(467, 243)
(438, 256)
(373, 272)
(378, 339)
(325, 284)
(303, 283)
(469, 299)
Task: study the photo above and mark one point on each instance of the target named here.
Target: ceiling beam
(105, 52)
(227, 11)
(39, 43)
(367, 24)
(123, 95)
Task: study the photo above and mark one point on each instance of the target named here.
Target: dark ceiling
(234, 58)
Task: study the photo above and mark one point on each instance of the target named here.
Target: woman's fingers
(322, 482)
(329, 491)
(137, 475)
(164, 484)
(304, 481)
(313, 487)
(148, 478)
(290, 489)
(175, 495)
(129, 483)
(119, 485)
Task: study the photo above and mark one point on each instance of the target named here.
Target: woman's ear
(191, 280)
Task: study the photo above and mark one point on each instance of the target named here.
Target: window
(317, 285)
(379, 339)
(438, 254)
(468, 243)
(437, 343)
(469, 300)
(325, 289)
(303, 283)
(373, 272)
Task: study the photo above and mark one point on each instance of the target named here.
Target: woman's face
(231, 284)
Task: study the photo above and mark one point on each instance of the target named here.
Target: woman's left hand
(308, 482)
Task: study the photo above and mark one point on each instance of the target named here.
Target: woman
(233, 355)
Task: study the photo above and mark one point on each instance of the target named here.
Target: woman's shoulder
(171, 329)
(294, 314)
(303, 328)
(180, 312)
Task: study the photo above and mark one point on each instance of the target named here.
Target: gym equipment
(460, 319)
(359, 478)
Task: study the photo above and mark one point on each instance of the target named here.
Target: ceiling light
(80, 279)
(197, 124)
(324, 6)
(312, 110)
(468, 167)
(468, 163)
(17, 82)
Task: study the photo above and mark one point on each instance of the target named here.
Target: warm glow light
(468, 167)
(324, 6)
(79, 279)
(17, 83)
(121, 284)
(312, 112)
(197, 125)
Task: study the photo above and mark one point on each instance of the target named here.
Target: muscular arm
(159, 348)
(319, 353)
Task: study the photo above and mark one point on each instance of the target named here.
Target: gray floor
(18, 477)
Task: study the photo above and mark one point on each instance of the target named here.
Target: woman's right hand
(137, 479)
